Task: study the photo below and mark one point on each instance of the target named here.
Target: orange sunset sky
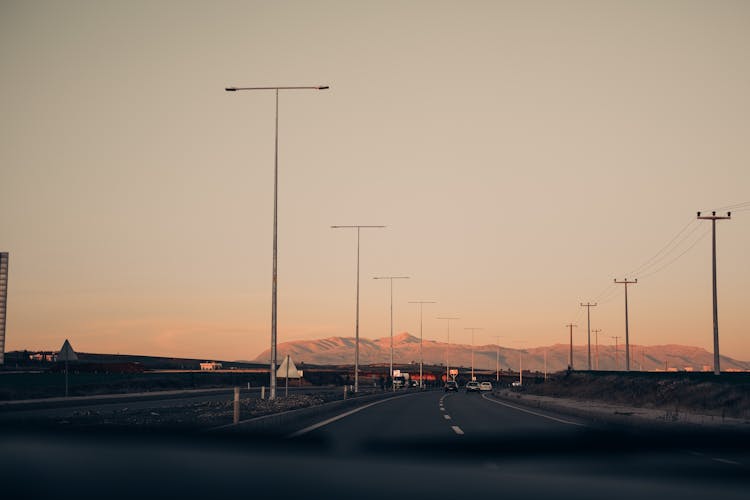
(522, 155)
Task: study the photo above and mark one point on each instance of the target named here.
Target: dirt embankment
(727, 395)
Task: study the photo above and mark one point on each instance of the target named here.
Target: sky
(522, 155)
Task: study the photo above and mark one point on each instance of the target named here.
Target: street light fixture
(390, 279)
(421, 302)
(356, 321)
(472, 349)
(272, 385)
(447, 347)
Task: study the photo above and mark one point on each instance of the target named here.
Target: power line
(653, 258)
(700, 238)
(736, 205)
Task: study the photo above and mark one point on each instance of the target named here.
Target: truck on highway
(400, 379)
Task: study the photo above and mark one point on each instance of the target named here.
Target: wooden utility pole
(713, 218)
(617, 363)
(588, 306)
(596, 333)
(627, 282)
(571, 326)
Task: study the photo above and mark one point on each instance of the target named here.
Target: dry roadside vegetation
(727, 395)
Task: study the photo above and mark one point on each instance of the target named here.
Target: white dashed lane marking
(457, 430)
(447, 417)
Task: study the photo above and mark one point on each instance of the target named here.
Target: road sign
(67, 353)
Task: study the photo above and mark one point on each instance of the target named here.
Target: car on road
(485, 386)
(472, 386)
(516, 384)
(451, 386)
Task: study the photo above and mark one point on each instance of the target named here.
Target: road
(435, 415)
(411, 445)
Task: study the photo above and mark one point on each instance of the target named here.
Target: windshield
(477, 249)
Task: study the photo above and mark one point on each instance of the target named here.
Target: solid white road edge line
(345, 414)
(484, 396)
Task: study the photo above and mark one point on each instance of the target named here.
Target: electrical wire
(699, 239)
(736, 205)
(667, 249)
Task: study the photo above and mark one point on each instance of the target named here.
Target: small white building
(210, 365)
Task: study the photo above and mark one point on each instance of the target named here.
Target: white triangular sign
(67, 353)
(292, 373)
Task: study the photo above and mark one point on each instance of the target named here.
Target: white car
(485, 386)
(516, 384)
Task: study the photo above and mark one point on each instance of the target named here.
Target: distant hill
(340, 350)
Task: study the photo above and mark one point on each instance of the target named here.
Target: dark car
(472, 386)
(451, 386)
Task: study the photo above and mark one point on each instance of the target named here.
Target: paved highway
(434, 415)
(412, 445)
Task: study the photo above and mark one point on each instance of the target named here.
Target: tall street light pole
(390, 280)
(447, 347)
(472, 349)
(497, 358)
(421, 303)
(627, 282)
(588, 306)
(356, 320)
(713, 218)
(272, 385)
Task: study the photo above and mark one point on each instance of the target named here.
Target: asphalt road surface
(413, 445)
(435, 415)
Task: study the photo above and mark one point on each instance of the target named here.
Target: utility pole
(472, 349)
(571, 326)
(390, 279)
(713, 218)
(627, 282)
(643, 357)
(596, 333)
(421, 302)
(356, 320)
(617, 363)
(497, 358)
(447, 346)
(588, 307)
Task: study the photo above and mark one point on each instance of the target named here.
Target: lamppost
(272, 384)
(390, 279)
(447, 346)
(356, 321)
(497, 358)
(472, 349)
(421, 302)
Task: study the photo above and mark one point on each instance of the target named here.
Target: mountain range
(340, 350)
